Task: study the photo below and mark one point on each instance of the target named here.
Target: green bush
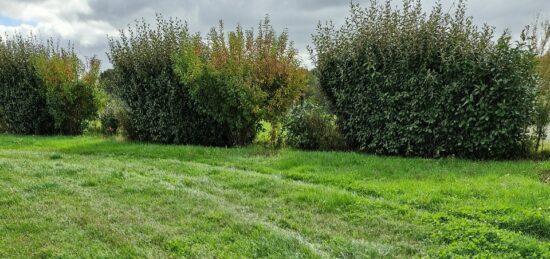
(180, 88)
(71, 91)
(159, 106)
(216, 76)
(22, 94)
(409, 83)
(109, 119)
(276, 71)
(45, 89)
(311, 126)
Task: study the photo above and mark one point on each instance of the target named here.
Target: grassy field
(94, 197)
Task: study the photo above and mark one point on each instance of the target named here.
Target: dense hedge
(410, 83)
(159, 106)
(22, 95)
(215, 75)
(44, 89)
(180, 88)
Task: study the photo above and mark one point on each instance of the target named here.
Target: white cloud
(59, 19)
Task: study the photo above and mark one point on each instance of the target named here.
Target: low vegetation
(311, 126)
(62, 196)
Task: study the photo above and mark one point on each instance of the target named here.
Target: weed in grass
(56, 156)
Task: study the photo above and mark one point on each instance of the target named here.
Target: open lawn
(95, 197)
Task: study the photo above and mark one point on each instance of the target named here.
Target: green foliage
(110, 117)
(22, 94)
(242, 78)
(114, 119)
(313, 91)
(217, 76)
(277, 72)
(45, 89)
(311, 126)
(538, 38)
(3, 127)
(542, 104)
(107, 81)
(410, 83)
(159, 105)
(181, 89)
(71, 91)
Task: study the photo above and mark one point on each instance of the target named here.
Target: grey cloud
(300, 17)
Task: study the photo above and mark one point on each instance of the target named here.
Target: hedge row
(406, 82)
(44, 89)
(400, 81)
(180, 88)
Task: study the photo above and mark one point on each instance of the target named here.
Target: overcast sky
(88, 22)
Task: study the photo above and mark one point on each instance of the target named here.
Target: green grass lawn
(94, 197)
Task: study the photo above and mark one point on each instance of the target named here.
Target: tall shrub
(277, 73)
(240, 78)
(217, 76)
(159, 105)
(45, 89)
(180, 88)
(407, 82)
(71, 91)
(22, 94)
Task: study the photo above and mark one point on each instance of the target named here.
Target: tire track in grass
(214, 192)
(381, 249)
(238, 210)
(241, 213)
(424, 214)
(90, 202)
(87, 195)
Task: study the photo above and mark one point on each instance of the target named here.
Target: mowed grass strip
(95, 197)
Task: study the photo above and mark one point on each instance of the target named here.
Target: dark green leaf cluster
(44, 89)
(407, 82)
